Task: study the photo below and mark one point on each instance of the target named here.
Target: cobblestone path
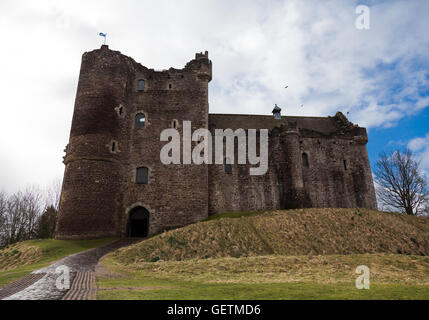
(41, 284)
(83, 287)
(19, 285)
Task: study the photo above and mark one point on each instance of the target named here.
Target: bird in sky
(286, 87)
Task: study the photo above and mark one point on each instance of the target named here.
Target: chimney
(277, 112)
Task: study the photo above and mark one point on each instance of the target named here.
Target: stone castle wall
(338, 172)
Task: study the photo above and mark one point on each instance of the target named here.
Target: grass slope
(294, 254)
(292, 232)
(266, 277)
(20, 259)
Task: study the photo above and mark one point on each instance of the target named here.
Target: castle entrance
(138, 223)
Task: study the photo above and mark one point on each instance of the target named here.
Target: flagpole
(104, 35)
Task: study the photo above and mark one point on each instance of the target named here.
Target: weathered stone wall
(338, 172)
(176, 195)
(238, 190)
(91, 194)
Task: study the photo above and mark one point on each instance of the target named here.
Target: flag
(103, 34)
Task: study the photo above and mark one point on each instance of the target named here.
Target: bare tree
(3, 213)
(29, 214)
(400, 183)
(53, 194)
(19, 215)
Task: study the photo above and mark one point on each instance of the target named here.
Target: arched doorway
(138, 223)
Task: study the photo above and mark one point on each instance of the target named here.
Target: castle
(115, 184)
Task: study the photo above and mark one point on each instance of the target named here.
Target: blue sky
(380, 76)
(411, 125)
(399, 137)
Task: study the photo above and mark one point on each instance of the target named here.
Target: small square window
(142, 175)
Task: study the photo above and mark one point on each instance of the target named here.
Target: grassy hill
(19, 259)
(294, 254)
(292, 232)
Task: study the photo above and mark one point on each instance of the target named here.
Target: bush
(154, 259)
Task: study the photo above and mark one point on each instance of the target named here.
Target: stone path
(83, 287)
(41, 284)
(20, 285)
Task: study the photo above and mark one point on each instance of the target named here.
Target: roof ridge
(264, 115)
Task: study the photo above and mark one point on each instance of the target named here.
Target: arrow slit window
(228, 166)
(305, 160)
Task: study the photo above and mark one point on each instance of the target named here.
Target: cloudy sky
(380, 76)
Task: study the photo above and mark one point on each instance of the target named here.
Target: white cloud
(417, 144)
(257, 47)
(420, 146)
(422, 103)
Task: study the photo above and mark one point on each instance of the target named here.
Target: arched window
(228, 166)
(305, 160)
(345, 164)
(140, 86)
(140, 120)
(142, 175)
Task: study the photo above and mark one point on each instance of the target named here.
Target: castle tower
(175, 194)
(288, 165)
(114, 182)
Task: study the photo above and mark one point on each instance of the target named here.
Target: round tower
(288, 163)
(91, 188)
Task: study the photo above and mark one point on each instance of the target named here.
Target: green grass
(271, 291)
(267, 277)
(284, 254)
(234, 215)
(20, 259)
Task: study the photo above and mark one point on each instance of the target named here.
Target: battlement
(201, 65)
(201, 55)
